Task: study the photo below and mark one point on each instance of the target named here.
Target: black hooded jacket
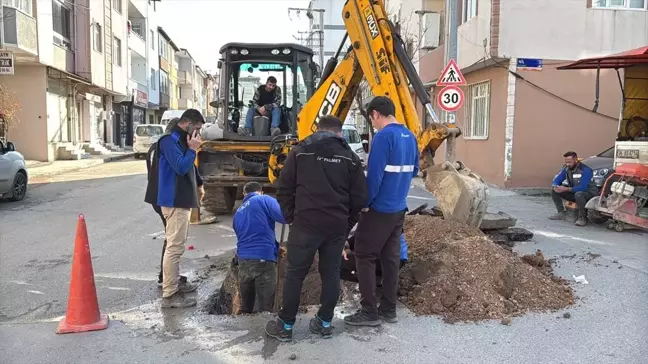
(321, 185)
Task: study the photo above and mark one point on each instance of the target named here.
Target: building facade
(68, 66)
(168, 73)
(520, 113)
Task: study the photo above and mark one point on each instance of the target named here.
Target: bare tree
(9, 108)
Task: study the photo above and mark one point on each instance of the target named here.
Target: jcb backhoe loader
(377, 53)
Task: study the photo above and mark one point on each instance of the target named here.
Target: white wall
(152, 55)
(567, 29)
(139, 70)
(45, 31)
(97, 59)
(120, 30)
(472, 34)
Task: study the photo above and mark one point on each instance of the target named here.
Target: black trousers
(580, 198)
(302, 246)
(257, 279)
(349, 272)
(159, 212)
(378, 237)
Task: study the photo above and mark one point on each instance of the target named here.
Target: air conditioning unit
(431, 30)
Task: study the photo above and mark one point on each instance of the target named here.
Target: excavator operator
(267, 103)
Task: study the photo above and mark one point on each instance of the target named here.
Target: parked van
(145, 135)
(355, 142)
(170, 114)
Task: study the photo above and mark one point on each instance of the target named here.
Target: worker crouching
(257, 248)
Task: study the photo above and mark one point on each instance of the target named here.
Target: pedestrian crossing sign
(451, 75)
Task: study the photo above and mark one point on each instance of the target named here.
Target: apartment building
(68, 66)
(211, 93)
(169, 89)
(143, 97)
(521, 114)
(187, 76)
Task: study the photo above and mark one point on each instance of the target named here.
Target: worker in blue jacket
(177, 194)
(257, 247)
(580, 187)
(393, 162)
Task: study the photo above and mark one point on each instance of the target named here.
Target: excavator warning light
(245, 52)
(234, 51)
(286, 51)
(275, 52)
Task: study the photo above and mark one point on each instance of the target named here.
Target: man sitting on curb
(580, 188)
(257, 247)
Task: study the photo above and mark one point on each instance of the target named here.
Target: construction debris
(498, 221)
(457, 272)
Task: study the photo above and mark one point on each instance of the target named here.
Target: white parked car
(145, 135)
(13, 173)
(355, 142)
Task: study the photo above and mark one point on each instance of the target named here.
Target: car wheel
(19, 187)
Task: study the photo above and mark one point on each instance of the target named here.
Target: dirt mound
(455, 271)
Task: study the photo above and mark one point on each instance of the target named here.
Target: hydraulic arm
(378, 54)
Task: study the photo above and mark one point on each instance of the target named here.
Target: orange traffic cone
(83, 307)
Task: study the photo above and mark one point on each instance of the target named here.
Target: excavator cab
(244, 67)
(228, 160)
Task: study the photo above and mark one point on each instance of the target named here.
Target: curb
(98, 162)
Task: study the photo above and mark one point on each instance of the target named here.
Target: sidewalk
(41, 169)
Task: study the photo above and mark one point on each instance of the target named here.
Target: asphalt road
(609, 323)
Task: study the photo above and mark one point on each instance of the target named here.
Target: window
(96, 36)
(153, 80)
(477, 111)
(468, 10)
(164, 82)
(620, 4)
(609, 153)
(151, 119)
(152, 40)
(137, 29)
(117, 51)
(351, 136)
(160, 44)
(117, 5)
(23, 5)
(61, 24)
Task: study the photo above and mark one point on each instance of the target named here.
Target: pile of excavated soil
(455, 271)
(227, 300)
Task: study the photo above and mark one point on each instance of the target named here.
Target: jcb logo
(332, 95)
(371, 22)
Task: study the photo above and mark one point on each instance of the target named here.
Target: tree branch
(9, 105)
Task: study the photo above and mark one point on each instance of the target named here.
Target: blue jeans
(274, 123)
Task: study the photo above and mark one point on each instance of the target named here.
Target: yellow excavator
(377, 53)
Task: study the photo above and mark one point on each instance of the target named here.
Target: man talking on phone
(177, 195)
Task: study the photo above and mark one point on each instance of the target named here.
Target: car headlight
(601, 172)
(359, 150)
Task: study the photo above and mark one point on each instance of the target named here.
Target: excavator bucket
(461, 194)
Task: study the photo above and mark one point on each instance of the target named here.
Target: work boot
(275, 131)
(581, 221)
(181, 279)
(186, 287)
(361, 318)
(317, 326)
(244, 132)
(178, 300)
(388, 316)
(558, 216)
(279, 330)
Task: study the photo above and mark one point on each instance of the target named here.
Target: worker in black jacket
(320, 186)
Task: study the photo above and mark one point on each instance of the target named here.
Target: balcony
(184, 78)
(137, 44)
(20, 35)
(63, 59)
(184, 104)
(165, 101)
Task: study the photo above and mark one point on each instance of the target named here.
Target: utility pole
(451, 53)
(310, 14)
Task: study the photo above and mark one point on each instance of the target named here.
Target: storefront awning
(620, 60)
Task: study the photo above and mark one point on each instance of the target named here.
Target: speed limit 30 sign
(451, 98)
